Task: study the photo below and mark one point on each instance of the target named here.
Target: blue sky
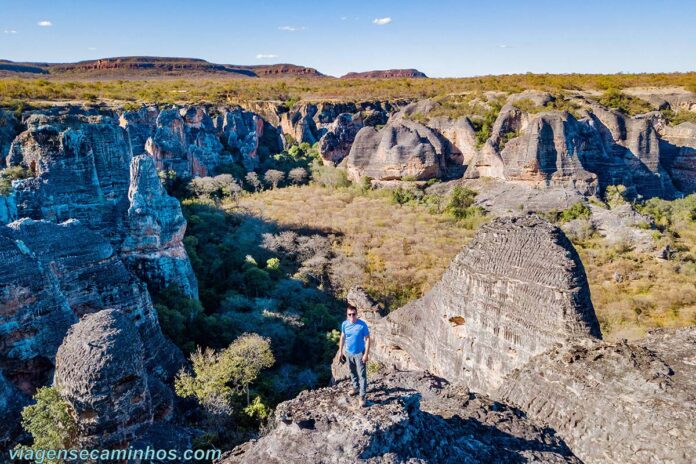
(441, 38)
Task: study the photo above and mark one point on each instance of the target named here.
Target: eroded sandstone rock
(335, 144)
(54, 274)
(517, 289)
(100, 372)
(402, 148)
(411, 417)
(154, 246)
(615, 402)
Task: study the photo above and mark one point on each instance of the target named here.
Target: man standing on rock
(355, 338)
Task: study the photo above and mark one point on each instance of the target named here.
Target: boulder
(615, 402)
(55, 274)
(100, 372)
(517, 289)
(402, 148)
(410, 417)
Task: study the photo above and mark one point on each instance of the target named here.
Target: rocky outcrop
(411, 417)
(516, 290)
(678, 145)
(140, 125)
(402, 148)
(101, 374)
(309, 122)
(615, 402)
(619, 225)
(385, 74)
(154, 246)
(55, 274)
(335, 144)
(633, 148)
(81, 166)
(9, 128)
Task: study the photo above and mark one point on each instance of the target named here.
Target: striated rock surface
(100, 372)
(55, 274)
(154, 247)
(81, 163)
(140, 125)
(402, 148)
(678, 145)
(517, 289)
(411, 417)
(615, 402)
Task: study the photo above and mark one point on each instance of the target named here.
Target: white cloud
(343, 18)
(382, 21)
(45, 23)
(504, 46)
(9, 31)
(266, 56)
(91, 48)
(292, 28)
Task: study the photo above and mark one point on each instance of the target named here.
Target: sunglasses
(352, 314)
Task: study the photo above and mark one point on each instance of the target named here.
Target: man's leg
(362, 375)
(352, 365)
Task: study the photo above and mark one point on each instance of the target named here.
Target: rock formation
(102, 373)
(402, 148)
(412, 417)
(154, 247)
(81, 166)
(9, 128)
(54, 274)
(615, 402)
(550, 148)
(517, 289)
(678, 145)
(335, 144)
(385, 74)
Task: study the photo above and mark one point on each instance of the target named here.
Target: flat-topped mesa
(516, 290)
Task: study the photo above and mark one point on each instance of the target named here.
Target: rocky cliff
(385, 74)
(80, 166)
(411, 417)
(55, 274)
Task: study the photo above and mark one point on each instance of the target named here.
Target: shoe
(353, 393)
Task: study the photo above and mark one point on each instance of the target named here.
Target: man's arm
(340, 345)
(366, 355)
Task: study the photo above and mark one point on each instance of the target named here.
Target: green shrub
(626, 104)
(50, 421)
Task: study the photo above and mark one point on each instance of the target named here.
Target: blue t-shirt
(355, 336)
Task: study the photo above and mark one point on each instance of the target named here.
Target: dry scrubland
(14, 92)
(403, 250)
(397, 252)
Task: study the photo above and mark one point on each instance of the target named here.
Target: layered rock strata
(516, 290)
(401, 149)
(615, 402)
(55, 274)
(80, 166)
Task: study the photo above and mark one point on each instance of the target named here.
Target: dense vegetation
(19, 91)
